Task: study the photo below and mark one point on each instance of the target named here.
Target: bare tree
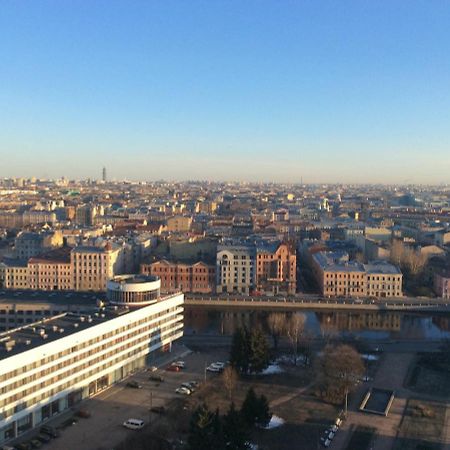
(338, 370)
(277, 324)
(294, 330)
(397, 252)
(230, 378)
(415, 261)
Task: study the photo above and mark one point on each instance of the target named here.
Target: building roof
(57, 256)
(47, 330)
(382, 267)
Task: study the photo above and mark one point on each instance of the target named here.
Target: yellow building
(339, 277)
(179, 224)
(94, 266)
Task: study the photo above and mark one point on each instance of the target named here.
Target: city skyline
(347, 93)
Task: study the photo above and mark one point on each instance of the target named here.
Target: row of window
(81, 346)
(146, 338)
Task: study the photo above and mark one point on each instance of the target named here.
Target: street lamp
(151, 406)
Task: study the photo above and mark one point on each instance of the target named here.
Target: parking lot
(103, 430)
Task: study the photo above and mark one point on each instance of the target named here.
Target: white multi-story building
(48, 366)
(235, 269)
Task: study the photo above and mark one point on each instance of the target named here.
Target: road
(316, 302)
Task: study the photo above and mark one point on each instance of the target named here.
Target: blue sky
(331, 91)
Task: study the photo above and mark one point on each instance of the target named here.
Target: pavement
(109, 409)
(390, 375)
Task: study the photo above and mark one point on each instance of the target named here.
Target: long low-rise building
(339, 277)
(48, 366)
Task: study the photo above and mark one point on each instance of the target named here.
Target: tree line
(209, 430)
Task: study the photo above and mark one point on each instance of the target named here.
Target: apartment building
(179, 224)
(196, 277)
(28, 244)
(49, 366)
(235, 269)
(93, 266)
(276, 266)
(13, 274)
(51, 271)
(339, 277)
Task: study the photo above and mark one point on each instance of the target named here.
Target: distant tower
(104, 174)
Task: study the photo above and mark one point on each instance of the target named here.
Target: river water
(363, 325)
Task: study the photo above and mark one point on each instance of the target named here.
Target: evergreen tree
(240, 350)
(259, 351)
(205, 430)
(235, 430)
(249, 408)
(263, 414)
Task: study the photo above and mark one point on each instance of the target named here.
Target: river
(364, 325)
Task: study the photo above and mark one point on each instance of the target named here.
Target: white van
(134, 424)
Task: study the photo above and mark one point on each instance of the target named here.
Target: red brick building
(198, 277)
(276, 269)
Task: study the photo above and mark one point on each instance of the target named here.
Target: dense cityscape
(90, 255)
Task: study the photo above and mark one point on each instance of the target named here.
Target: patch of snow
(275, 422)
(272, 369)
(291, 360)
(369, 357)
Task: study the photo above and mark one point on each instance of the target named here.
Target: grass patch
(430, 374)
(422, 426)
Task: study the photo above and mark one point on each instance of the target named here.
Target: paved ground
(104, 430)
(390, 375)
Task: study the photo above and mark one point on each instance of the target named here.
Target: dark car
(35, 443)
(44, 438)
(50, 431)
(134, 384)
(158, 409)
(157, 378)
(24, 446)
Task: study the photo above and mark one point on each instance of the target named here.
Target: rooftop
(33, 335)
(134, 279)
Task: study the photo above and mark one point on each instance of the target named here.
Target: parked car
(158, 409)
(216, 367)
(134, 384)
(189, 386)
(183, 390)
(152, 369)
(83, 413)
(173, 369)
(134, 424)
(44, 438)
(35, 443)
(180, 364)
(157, 378)
(50, 431)
(24, 446)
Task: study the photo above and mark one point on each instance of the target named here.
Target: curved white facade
(133, 290)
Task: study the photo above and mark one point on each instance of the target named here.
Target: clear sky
(331, 91)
